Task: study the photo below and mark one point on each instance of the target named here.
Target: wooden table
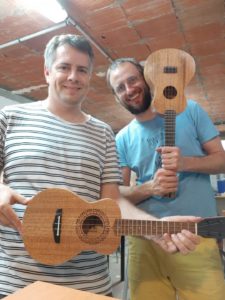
(47, 291)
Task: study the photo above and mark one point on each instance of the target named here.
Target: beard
(147, 99)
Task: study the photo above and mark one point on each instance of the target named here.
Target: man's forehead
(128, 66)
(70, 55)
(124, 71)
(67, 49)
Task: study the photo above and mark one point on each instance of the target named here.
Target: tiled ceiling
(119, 28)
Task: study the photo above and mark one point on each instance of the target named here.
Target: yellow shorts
(157, 275)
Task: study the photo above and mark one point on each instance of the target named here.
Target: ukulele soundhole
(92, 226)
(170, 92)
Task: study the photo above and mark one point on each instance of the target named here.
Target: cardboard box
(46, 291)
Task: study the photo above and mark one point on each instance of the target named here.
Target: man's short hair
(76, 41)
(120, 61)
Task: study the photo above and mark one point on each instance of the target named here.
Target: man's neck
(72, 114)
(149, 114)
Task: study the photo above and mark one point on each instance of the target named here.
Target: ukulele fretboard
(170, 123)
(147, 227)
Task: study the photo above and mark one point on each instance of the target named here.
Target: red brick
(187, 4)
(214, 70)
(138, 51)
(158, 27)
(204, 12)
(100, 18)
(211, 60)
(204, 33)
(173, 40)
(147, 11)
(208, 47)
(91, 6)
(119, 36)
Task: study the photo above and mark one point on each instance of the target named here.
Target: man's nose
(129, 88)
(73, 75)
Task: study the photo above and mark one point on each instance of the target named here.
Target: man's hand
(171, 158)
(183, 242)
(8, 197)
(163, 182)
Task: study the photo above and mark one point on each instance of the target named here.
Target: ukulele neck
(170, 124)
(151, 228)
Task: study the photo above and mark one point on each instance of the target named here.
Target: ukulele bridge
(57, 225)
(170, 69)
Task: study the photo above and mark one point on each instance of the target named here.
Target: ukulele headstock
(167, 72)
(212, 227)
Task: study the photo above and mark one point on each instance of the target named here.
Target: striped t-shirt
(38, 151)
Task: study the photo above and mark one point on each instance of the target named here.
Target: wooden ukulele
(167, 72)
(58, 225)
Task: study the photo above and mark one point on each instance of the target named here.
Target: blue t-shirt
(137, 143)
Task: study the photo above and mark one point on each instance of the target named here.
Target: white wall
(7, 98)
(213, 178)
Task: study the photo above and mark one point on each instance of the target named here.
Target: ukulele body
(167, 72)
(58, 225)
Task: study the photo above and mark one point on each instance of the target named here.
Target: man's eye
(63, 68)
(83, 71)
(120, 89)
(132, 80)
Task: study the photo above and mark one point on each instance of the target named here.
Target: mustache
(147, 100)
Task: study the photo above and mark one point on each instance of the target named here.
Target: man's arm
(212, 163)
(184, 241)
(172, 160)
(163, 182)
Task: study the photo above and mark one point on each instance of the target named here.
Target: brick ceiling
(119, 28)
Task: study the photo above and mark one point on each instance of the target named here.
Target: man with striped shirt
(53, 143)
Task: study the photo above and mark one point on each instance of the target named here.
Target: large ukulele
(58, 224)
(167, 72)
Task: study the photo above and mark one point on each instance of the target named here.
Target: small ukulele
(58, 225)
(167, 72)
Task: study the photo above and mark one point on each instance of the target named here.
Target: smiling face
(69, 76)
(130, 88)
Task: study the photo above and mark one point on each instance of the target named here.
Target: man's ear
(46, 73)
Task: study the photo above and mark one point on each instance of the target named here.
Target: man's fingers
(196, 239)
(178, 240)
(166, 243)
(17, 198)
(185, 241)
(9, 218)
